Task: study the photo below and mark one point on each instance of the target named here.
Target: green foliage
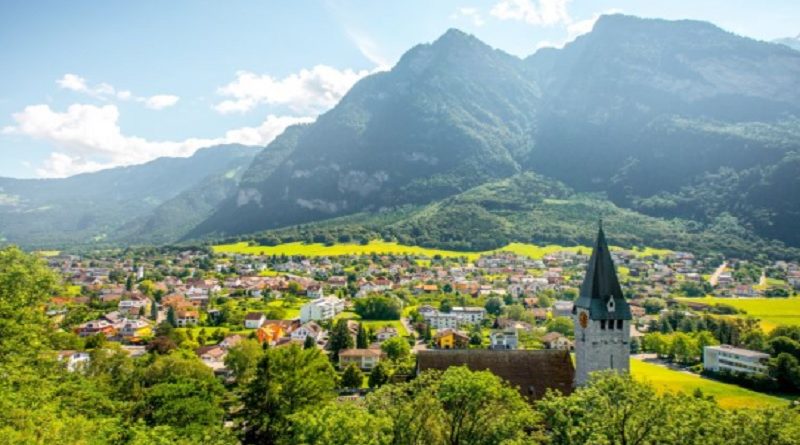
(562, 325)
(287, 380)
(396, 348)
(379, 307)
(242, 359)
(340, 338)
(343, 423)
(352, 377)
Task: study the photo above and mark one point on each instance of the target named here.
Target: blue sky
(93, 84)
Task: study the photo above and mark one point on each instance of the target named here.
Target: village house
(322, 309)
(366, 359)
(308, 329)
(506, 339)
(732, 359)
(254, 320)
(386, 333)
(450, 339)
(74, 360)
(555, 340)
(185, 317)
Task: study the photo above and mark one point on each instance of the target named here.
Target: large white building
(731, 359)
(321, 309)
(457, 317)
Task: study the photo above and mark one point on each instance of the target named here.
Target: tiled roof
(532, 372)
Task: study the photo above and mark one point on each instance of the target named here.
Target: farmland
(383, 247)
(728, 396)
(771, 311)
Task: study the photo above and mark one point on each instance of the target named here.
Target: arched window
(603, 325)
(619, 324)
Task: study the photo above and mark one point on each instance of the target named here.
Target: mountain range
(679, 132)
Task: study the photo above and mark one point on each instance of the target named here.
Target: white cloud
(72, 82)
(535, 12)
(106, 92)
(470, 13)
(369, 49)
(308, 91)
(88, 138)
(161, 101)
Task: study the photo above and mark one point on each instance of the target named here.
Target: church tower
(602, 317)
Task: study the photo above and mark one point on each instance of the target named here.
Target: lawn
(771, 311)
(374, 324)
(292, 309)
(382, 247)
(727, 395)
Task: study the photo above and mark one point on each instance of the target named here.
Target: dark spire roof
(601, 284)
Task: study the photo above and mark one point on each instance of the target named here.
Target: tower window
(603, 325)
(619, 324)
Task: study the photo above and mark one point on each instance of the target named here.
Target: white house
(254, 320)
(74, 359)
(729, 358)
(457, 317)
(386, 333)
(309, 329)
(504, 339)
(321, 309)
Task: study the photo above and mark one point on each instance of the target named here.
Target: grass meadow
(727, 395)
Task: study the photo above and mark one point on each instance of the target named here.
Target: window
(603, 325)
(619, 324)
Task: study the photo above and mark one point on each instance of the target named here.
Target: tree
(684, 348)
(562, 325)
(287, 381)
(340, 423)
(494, 305)
(309, 342)
(396, 348)
(242, 359)
(446, 306)
(654, 305)
(786, 369)
(154, 311)
(613, 409)
(352, 376)
(479, 408)
(379, 307)
(362, 340)
(340, 339)
(172, 319)
(379, 375)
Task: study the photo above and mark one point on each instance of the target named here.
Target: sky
(87, 85)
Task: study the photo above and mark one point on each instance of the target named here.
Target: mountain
(791, 42)
(449, 116)
(649, 113)
(94, 207)
(527, 208)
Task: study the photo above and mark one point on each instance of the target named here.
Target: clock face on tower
(584, 320)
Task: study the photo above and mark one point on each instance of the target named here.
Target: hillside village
(375, 312)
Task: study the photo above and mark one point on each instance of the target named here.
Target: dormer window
(610, 304)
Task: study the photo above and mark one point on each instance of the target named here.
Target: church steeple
(600, 292)
(602, 317)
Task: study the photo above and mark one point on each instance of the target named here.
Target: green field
(382, 247)
(292, 309)
(771, 311)
(728, 396)
(374, 324)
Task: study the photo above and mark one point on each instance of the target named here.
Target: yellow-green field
(771, 311)
(47, 253)
(728, 396)
(382, 247)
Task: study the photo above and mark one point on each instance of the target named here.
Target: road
(420, 344)
(715, 276)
